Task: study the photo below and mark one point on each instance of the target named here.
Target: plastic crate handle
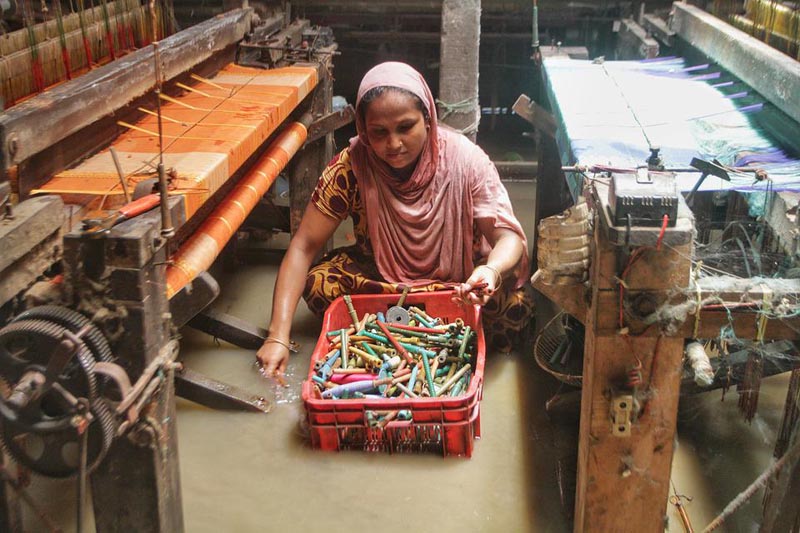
(396, 424)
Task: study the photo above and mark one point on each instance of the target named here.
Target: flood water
(246, 472)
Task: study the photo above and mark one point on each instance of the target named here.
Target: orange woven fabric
(209, 131)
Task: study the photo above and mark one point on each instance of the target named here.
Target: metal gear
(73, 321)
(42, 435)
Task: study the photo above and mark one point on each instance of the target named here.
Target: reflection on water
(719, 454)
(282, 389)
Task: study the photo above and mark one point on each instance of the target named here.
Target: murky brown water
(248, 472)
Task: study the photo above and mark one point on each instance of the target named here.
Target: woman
(427, 206)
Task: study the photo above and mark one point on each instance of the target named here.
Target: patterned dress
(352, 269)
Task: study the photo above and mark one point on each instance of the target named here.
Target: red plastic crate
(446, 424)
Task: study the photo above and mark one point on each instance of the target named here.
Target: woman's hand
(273, 357)
(480, 286)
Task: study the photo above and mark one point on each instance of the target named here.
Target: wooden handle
(142, 205)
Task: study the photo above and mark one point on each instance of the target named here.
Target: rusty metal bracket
(209, 392)
(330, 123)
(230, 329)
(193, 298)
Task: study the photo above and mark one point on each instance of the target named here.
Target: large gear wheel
(41, 435)
(73, 321)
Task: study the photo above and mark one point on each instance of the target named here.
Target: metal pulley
(53, 394)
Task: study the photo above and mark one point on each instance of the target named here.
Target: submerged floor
(246, 472)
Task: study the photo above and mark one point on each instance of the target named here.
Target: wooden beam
(541, 119)
(619, 462)
(307, 165)
(634, 42)
(209, 392)
(28, 128)
(458, 74)
(571, 298)
(659, 29)
(744, 299)
(780, 512)
(773, 74)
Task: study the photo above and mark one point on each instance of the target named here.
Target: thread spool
(700, 364)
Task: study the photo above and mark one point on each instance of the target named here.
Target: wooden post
(458, 71)
(624, 472)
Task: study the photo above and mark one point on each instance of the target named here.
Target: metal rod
(121, 175)
(167, 230)
(166, 355)
(83, 433)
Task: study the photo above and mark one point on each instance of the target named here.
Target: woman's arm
(507, 249)
(314, 231)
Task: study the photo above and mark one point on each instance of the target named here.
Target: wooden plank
(229, 329)
(711, 322)
(536, 115)
(571, 298)
(659, 29)
(734, 291)
(773, 74)
(634, 42)
(458, 74)
(27, 128)
(783, 220)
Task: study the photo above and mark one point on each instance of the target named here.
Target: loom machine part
(59, 381)
(92, 287)
(690, 281)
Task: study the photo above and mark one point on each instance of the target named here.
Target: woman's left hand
(480, 286)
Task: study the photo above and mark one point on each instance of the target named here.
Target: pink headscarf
(422, 228)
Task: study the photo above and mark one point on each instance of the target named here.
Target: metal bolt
(13, 145)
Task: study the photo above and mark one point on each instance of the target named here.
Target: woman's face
(396, 129)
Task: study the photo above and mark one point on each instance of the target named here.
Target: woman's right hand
(273, 358)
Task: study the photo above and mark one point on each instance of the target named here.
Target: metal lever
(97, 227)
(713, 168)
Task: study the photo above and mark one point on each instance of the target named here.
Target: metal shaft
(167, 230)
(84, 445)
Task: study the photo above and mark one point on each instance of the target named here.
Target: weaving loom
(45, 54)
(132, 176)
(717, 274)
(686, 110)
